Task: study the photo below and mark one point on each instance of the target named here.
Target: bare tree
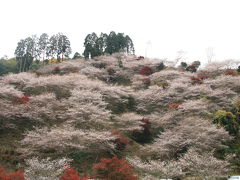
(180, 56)
(148, 44)
(210, 54)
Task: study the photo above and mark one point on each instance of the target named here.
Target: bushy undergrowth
(114, 169)
(18, 175)
(170, 122)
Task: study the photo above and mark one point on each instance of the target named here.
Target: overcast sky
(159, 28)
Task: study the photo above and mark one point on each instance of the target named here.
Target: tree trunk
(20, 64)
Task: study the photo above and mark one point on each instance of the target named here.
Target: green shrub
(8, 66)
(228, 121)
(123, 104)
(160, 67)
(236, 111)
(145, 134)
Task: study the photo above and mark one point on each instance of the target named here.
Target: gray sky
(163, 27)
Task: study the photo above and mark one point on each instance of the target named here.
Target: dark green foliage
(145, 134)
(236, 111)
(118, 43)
(8, 65)
(160, 66)
(119, 79)
(191, 68)
(24, 62)
(228, 121)
(91, 45)
(22, 124)
(83, 160)
(231, 122)
(102, 42)
(125, 104)
(99, 64)
(238, 70)
(183, 64)
(233, 148)
(131, 103)
(77, 55)
(112, 43)
(60, 93)
(35, 65)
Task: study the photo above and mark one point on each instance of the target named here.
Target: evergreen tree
(25, 52)
(102, 42)
(77, 55)
(91, 46)
(52, 47)
(63, 46)
(19, 53)
(129, 45)
(43, 45)
(32, 46)
(110, 44)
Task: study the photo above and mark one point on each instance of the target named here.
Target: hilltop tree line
(96, 46)
(34, 48)
(31, 50)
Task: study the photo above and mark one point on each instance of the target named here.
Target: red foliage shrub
(231, 72)
(120, 142)
(71, 174)
(199, 79)
(144, 135)
(114, 169)
(18, 175)
(56, 70)
(202, 77)
(196, 80)
(22, 100)
(173, 106)
(146, 71)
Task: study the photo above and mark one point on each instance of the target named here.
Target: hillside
(164, 120)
